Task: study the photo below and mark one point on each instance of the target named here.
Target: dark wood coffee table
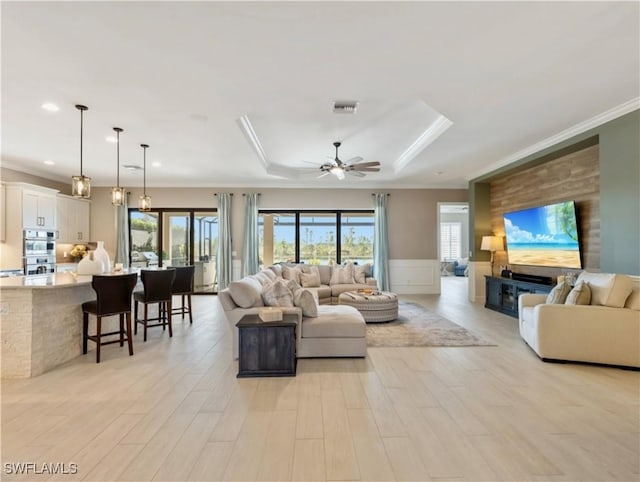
(267, 348)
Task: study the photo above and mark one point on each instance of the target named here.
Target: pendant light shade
(117, 192)
(81, 185)
(144, 202)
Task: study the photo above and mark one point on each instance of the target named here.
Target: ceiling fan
(353, 166)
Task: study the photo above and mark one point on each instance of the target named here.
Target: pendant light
(117, 193)
(81, 185)
(144, 202)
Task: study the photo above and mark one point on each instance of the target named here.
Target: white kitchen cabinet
(73, 219)
(38, 210)
(27, 207)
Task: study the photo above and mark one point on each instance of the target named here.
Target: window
(356, 242)
(450, 240)
(315, 237)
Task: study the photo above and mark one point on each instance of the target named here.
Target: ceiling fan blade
(367, 164)
(364, 169)
(353, 160)
(323, 174)
(356, 173)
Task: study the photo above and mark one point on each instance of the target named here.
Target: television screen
(544, 236)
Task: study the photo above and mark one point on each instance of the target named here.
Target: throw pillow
(360, 273)
(277, 294)
(558, 295)
(291, 272)
(306, 299)
(342, 275)
(262, 278)
(310, 280)
(246, 292)
(277, 270)
(579, 295)
(269, 274)
(292, 285)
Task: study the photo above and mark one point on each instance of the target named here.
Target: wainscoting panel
(414, 276)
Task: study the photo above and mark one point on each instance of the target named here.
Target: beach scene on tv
(543, 236)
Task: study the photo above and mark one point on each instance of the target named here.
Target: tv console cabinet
(502, 293)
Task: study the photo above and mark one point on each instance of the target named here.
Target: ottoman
(375, 308)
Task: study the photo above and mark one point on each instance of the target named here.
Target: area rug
(417, 326)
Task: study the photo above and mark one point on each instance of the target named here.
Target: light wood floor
(175, 411)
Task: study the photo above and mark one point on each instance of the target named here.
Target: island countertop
(54, 280)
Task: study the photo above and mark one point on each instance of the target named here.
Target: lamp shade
(491, 243)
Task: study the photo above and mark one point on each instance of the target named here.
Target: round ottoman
(375, 308)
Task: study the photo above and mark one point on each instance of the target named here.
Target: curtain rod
(230, 194)
(258, 193)
(388, 193)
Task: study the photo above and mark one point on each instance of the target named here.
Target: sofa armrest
(529, 299)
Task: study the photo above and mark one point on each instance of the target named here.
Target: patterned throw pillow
(342, 275)
(558, 295)
(277, 294)
(306, 299)
(292, 273)
(579, 295)
(310, 277)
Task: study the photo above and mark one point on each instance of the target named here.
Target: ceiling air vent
(345, 106)
(132, 167)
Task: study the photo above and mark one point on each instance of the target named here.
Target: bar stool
(183, 287)
(157, 289)
(113, 297)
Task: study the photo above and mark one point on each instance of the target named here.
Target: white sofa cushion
(246, 293)
(335, 321)
(579, 295)
(292, 273)
(607, 289)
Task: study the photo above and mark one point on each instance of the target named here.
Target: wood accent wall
(576, 177)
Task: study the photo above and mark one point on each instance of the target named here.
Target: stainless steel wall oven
(39, 252)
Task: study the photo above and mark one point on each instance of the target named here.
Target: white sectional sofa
(337, 331)
(606, 331)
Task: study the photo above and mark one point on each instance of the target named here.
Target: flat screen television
(544, 236)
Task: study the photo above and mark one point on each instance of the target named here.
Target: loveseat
(604, 331)
(334, 331)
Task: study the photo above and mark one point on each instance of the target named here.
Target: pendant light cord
(81, 124)
(118, 156)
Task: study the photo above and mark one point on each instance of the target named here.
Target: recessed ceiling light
(111, 139)
(50, 106)
(49, 162)
(156, 164)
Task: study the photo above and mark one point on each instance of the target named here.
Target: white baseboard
(414, 276)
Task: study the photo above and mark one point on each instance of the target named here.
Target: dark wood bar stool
(183, 287)
(113, 298)
(157, 290)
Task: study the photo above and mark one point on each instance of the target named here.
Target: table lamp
(493, 244)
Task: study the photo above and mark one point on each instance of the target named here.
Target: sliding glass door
(176, 237)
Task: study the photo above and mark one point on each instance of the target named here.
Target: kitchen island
(41, 321)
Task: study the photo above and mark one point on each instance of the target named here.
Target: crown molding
(598, 120)
(247, 128)
(440, 125)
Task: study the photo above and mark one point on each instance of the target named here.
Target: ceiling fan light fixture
(81, 185)
(338, 172)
